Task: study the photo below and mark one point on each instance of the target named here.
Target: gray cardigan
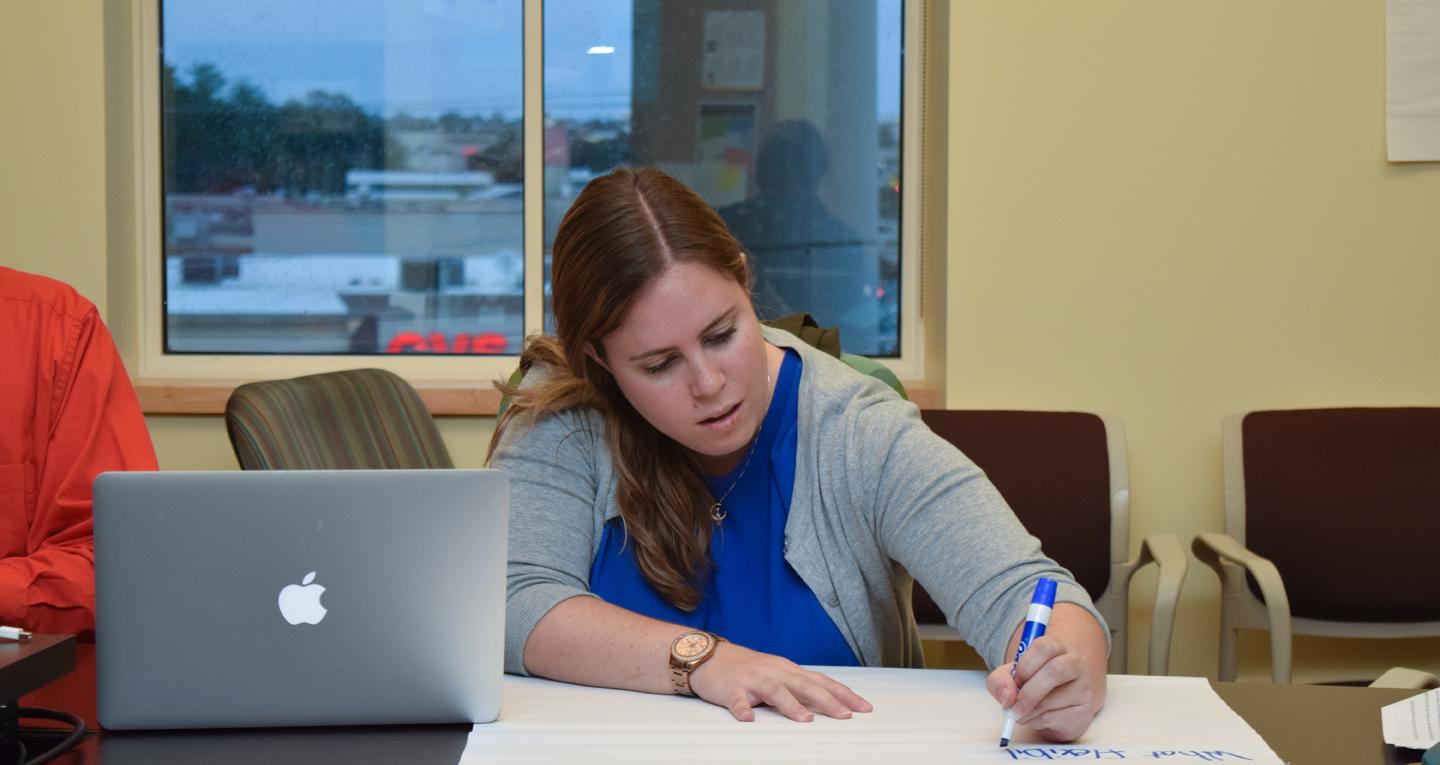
(877, 498)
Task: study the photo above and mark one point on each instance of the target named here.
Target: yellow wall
(1159, 210)
(1175, 211)
(52, 175)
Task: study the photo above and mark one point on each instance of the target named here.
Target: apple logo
(300, 603)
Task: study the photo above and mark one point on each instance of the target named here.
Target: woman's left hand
(1059, 684)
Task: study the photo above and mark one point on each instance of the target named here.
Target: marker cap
(1044, 593)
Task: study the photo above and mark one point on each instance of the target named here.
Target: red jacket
(67, 412)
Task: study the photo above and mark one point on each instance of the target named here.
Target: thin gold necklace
(717, 510)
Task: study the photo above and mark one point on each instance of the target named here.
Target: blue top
(752, 597)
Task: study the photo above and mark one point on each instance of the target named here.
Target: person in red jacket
(67, 413)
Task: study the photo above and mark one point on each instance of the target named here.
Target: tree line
(221, 137)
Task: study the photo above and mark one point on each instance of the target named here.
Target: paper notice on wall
(734, 55)
(1413, 723)
(1412, 80)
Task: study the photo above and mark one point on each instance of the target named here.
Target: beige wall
(52, 123)
(1163, 211)
(1175, 211)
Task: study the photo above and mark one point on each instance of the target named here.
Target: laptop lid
(276, 598)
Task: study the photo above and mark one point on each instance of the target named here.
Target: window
(343, 177)
(783, 116)
(357, 177)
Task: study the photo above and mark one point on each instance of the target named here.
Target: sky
(428, 57)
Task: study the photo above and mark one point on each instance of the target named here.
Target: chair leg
(1281, 661)
(1118, 648)
(1229, 638)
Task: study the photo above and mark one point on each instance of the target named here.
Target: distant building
(410, 185)
(439, 151)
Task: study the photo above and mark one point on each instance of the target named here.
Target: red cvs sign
(436, 342)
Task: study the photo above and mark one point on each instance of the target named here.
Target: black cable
(77, 732)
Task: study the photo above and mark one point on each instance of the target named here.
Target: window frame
(200, 383)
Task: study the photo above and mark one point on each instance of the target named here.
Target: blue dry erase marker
(1035, 622)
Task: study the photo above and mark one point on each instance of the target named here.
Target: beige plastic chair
(1344, 505)
(1065, 474)
(1404, 677)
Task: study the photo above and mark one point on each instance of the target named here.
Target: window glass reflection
(783, 115)
(343, 176)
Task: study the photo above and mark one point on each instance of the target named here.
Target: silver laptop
(318, 597)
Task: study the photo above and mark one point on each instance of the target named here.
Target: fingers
(798, 696)
(1005, 680)
(842, 693)
(783, 700)
(1060, 672)
(1036, 656)
(741, 710)
(1067, 695)
(740, 680)
(1058, 696)
(1001, 685)
(1064, 724)
(829, 697)
(1046, 665)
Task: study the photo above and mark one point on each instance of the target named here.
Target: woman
(683, 480)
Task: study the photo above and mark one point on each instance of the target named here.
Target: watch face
(691, 645)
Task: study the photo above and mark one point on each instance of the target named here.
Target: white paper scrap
(1413, 723)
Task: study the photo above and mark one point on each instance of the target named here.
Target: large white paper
(1413, 723)
(940, 716)
(1412, 80)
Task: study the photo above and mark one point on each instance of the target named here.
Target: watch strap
(680, 671)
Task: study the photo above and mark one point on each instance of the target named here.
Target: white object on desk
(941, 716)
(1413, 723)
(14, 633)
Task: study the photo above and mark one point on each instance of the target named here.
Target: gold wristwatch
(688, 651)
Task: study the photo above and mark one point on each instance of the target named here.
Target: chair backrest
(871, 367)
(1065, 475)
(355, 419)
(1345, 503)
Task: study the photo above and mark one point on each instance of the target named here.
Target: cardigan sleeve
(553, 500)
(936, 513)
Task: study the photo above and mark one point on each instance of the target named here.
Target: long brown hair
(622, 232)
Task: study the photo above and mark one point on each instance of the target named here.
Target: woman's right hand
(740, 679)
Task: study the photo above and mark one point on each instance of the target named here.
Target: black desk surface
(75, 693)
(26, 665)
(1304, 724)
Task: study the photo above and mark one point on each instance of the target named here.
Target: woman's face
(690, 358)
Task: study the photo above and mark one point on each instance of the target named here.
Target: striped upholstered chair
(360, 418)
